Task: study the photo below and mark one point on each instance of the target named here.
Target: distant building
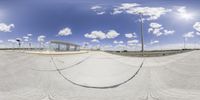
(63, 46)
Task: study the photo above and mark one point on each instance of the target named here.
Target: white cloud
(120, 47)
(101, 35)
(96, 35)
(184, 14)
(151, 13)
(47, 42)
(189, 35)
(116, 11)
(6, 28)
(155, 28)
(158, 30)
(132, 42)
(107, 47)
(196, 26)
(95, 47)
(118, 42)
(29, 35)
(115, 42)
(198, 33)
(26, 38)
(155, 25)
(150, 30)
(131, 35)
(101, 13)
(167, 32)
(124, 6)
(95, 40)
(1, 41)
(154, 42)
(134, 47)
(182, 9)
(98, 9)
(12, 40)
(87, 35)
(112, 34)
(65, 32)
(41, 38)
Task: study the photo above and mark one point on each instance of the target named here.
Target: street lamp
(19, 42)
(142, 34)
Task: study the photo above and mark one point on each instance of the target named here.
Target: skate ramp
(38, 77)
(100, 70)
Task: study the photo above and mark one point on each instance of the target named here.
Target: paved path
(99, 76)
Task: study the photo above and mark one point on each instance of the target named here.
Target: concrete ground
(54, 52)
(99, 76)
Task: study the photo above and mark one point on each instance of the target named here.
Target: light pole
(29, 42)
(142, 34)
(19, 42)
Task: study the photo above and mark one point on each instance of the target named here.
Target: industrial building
(57, 45)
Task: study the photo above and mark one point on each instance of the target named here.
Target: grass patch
(156, 53)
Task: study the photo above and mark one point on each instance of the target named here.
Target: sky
(105, 23)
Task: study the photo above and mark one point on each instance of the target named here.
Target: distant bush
(125, 51)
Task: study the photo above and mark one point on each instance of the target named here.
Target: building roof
(63, 42)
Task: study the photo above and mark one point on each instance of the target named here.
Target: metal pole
(66, 47)
(58, 47)
(142, 35)
(29, 45)
(184, 42)
(74, 48)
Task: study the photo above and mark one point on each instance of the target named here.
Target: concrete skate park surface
(99, 76)
(54, 52)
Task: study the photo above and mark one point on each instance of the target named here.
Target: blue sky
(49, 17)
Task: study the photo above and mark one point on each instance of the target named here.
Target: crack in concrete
(97, 87)
(71, 66)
